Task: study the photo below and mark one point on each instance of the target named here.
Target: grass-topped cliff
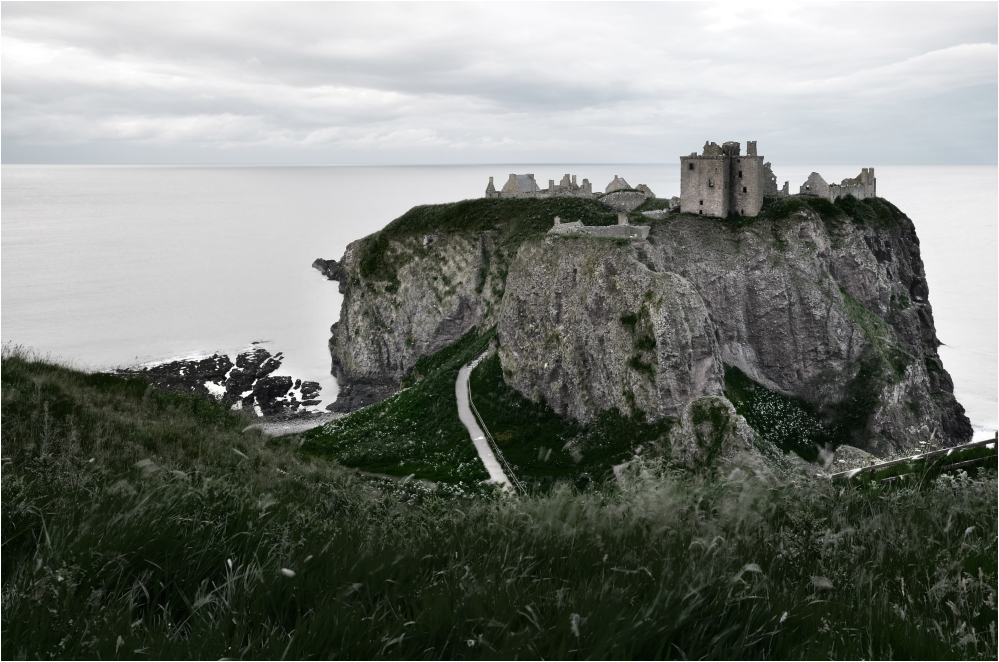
(821, 303)
(144, 525)
(380, 256)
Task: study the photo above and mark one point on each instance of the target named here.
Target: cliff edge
(821, 305)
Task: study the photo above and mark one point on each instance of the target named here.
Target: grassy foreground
(143, 525)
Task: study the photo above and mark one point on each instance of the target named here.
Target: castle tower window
(743, 189)
(702, 202)
(740, 174)
(690, 166)
(711, 182)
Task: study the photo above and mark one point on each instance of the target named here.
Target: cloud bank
(497, 82)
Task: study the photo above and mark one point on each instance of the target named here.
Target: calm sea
(115, 265)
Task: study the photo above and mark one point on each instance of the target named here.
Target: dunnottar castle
(719, 182)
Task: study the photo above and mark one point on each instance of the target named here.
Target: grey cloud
(466, 82)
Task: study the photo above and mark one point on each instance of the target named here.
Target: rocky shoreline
(247, 383)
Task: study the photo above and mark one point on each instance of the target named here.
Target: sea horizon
(173, 266)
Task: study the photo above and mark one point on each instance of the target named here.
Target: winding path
(496, 474)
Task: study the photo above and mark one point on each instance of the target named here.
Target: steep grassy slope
(138, 525)
(415, 432)
(544, 448)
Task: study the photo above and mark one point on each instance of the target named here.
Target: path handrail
(914, 458)
(489, 437)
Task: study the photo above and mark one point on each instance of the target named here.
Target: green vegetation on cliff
(416, 431)
(790, 424)
(512, 220)
(870, 212)
(141, 525)
(544, 448)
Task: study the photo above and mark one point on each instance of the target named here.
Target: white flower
(287, 573)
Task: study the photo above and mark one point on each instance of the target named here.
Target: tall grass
(132, 528)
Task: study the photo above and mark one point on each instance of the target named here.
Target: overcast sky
(870, 83)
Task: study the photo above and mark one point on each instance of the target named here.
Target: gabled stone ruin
(862, 186)
(525, 186)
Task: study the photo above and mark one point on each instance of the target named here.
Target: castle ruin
(524, 186)
(862, 186)
(719, 182)
(722, 182)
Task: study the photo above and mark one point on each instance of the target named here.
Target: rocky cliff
(823, 303)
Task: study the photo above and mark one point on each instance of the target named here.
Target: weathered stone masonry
(722, 182)
(862, 186)
(524, 186)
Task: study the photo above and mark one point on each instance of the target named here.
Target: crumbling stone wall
(862, 186)
(525, 186)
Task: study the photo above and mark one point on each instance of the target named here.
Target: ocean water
(107, 266)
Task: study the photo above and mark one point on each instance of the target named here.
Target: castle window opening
(690, 166)
(743, 189)
(702, 202)
(740, 174)
(711, 182)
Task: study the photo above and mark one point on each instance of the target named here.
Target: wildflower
(287, 573)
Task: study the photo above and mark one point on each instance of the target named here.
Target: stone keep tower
(721, 182)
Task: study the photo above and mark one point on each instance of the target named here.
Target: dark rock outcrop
(184, 375)
(332, 270)
(246, 384)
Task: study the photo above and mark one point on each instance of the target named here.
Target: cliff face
(438, 295)
(821, 302)
(585, 326)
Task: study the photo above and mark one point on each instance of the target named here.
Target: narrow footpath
(496, 474)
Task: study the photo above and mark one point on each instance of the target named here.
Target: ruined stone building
(617, 184)
(862, 186)
(722, 182)
(524, 186)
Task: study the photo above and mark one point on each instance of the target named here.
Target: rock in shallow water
(248, 383)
